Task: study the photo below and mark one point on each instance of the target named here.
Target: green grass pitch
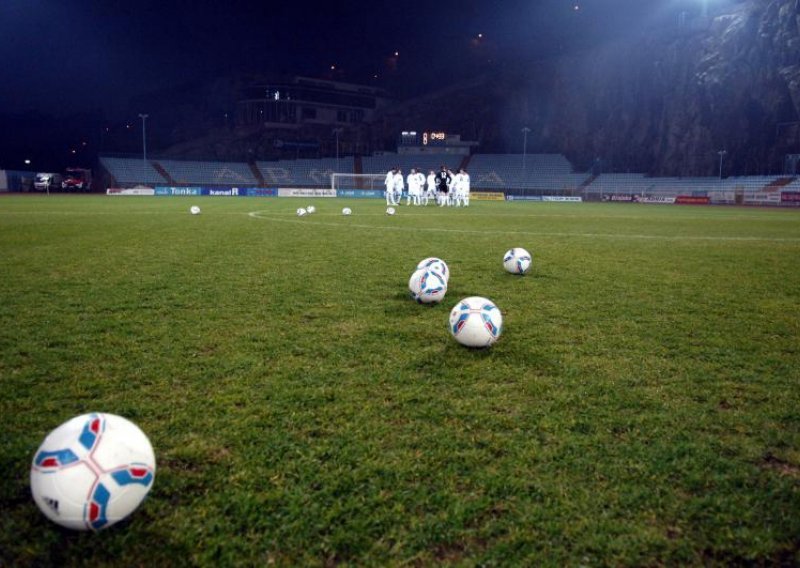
(641, 408)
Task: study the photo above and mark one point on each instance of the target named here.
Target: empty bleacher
(304, 172)
(131, 171)
(424, 162)
(794, 185)
(639, 184)
(539, 172)
(209, 173)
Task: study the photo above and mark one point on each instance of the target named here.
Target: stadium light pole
(722, 154)
(144, 138)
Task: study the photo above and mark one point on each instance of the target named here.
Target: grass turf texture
(641, 407)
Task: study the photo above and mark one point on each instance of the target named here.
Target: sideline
(263, 215)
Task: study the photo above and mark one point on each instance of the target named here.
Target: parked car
(46, 181)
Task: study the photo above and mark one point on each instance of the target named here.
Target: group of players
(444, 187)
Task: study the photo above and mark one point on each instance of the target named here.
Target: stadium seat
(209, 173)
(304, 172)
(131, 171)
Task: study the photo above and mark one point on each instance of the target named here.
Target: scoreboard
(434, 138)
(427, 138)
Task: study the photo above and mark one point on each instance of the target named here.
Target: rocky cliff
(667, 101)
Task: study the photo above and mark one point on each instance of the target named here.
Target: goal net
(358, 181)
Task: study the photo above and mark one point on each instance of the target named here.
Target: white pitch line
(260, 215)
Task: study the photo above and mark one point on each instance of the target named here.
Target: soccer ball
(347, 211)
(437, 265)
(194, 210)
(476, 322)
(427, 286)
(301, 212)
(390, 211)
(92, 471)
(311, 209)
(517, 261)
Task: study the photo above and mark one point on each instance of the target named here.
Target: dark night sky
(75, 55)
(61, 57)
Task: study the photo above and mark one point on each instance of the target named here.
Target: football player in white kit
(414, 188)
(465, 186)
(461, 187)
(430, 188)
(455, 191)
(398, 186)
(389, 183)
(421, 178)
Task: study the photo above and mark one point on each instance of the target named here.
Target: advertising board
(487, 195)
(657, 199)
(305, 192)
(562, 198)
(359, 193)
(790, 198)
(168, 190)
(692, 200)
(132, 191)
(523, 197)
(620, 197)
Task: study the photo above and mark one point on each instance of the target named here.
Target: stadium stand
(130, 171)
(209, 173)
(792, 186)
(750, 183)
(672, 186)
(543, 172)
(780, 183)
(304, 172)
(425, 162)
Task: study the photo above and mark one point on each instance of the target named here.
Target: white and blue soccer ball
(194, 210)
(517, 261)
(391, 211)
(92, 471)
(427, 286)
(347, 211)
(476, 322)
(437, 265)
(311, 209)
(301, 212)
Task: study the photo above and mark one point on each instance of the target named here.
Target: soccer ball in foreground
(301, 212)
(92, 471)
(427, 286)
(517, 261)
(437, 265)
(194, 210)
(347, 211)
(390, 211)
(476, 322)
(311, 209)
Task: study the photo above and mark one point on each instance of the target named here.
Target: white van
(46, 182)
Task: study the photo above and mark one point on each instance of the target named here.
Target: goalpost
(358, 181)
